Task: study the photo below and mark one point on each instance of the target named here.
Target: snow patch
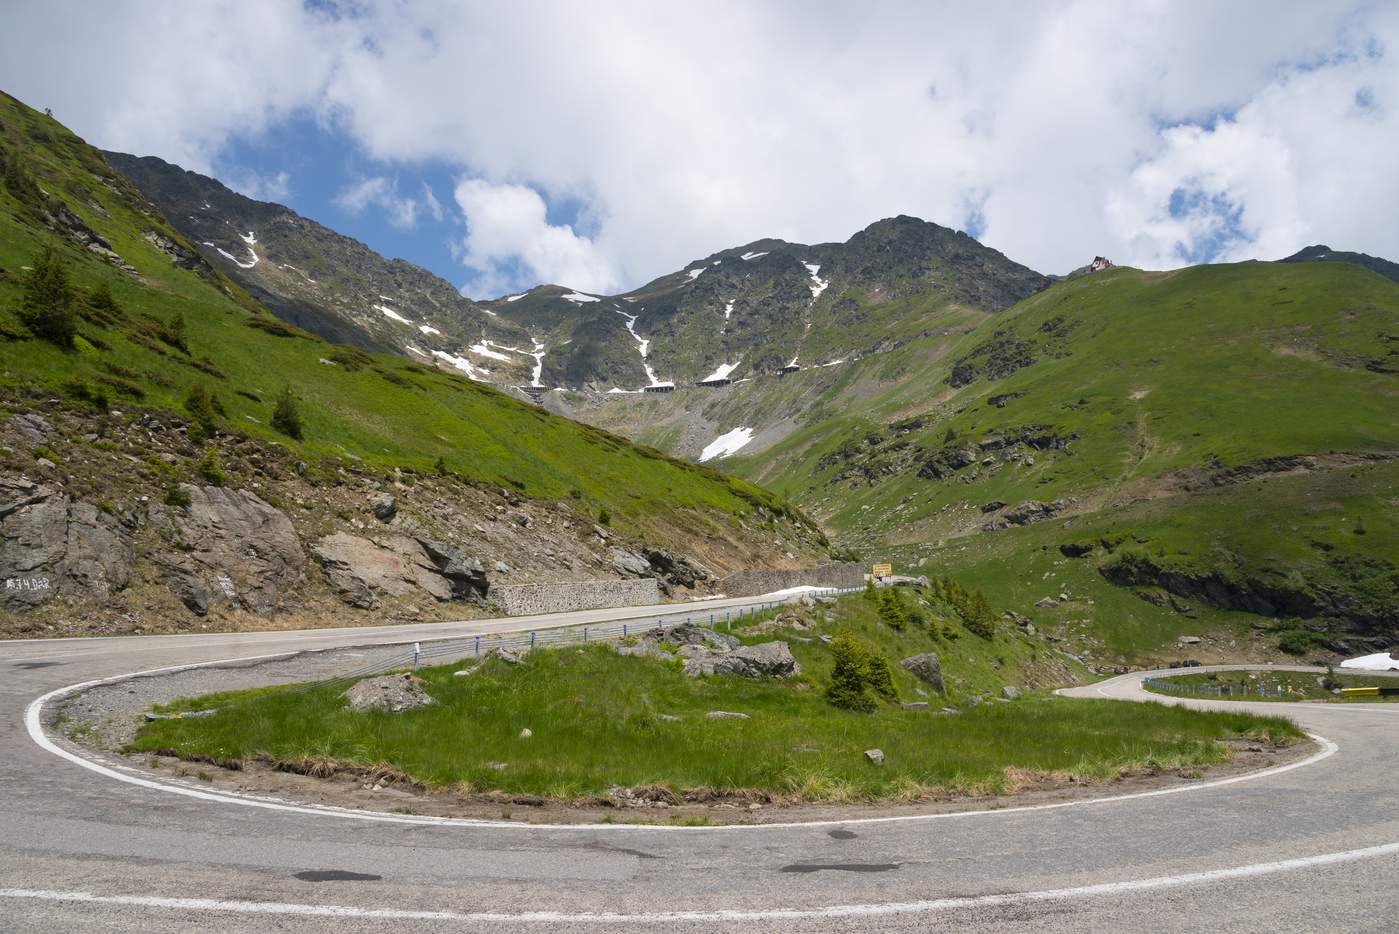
(726, 444)
(538, 356)
(461, 363)
(578, 298)
(722, 371)
(411, 349)
(486, 351)
(793, 591)
(728, 310)
(695, 273)
(514, 298)
(390, 313)
(818, 285)
(1379, 662)
(428, 329)
(753, 255)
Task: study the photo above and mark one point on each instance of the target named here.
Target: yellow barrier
(1361, 692)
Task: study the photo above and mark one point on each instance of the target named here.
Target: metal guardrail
(1243, 691)
(478, 645)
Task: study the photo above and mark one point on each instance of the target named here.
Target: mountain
(1319, 253)
(752, 310)
(327, 283)
(173, 456)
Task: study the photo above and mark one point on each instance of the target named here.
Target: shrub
(100, 297)
(202, 407)
(891, 610)
(95, 397)
(440, 466)
(604, 518)
(175, 495)
(860, 676)
(1329, 681)
(172, 332)
(1296, 641)
(209, 468)
(848, 688)
(351, 358)
(47, 305)
(286, 417)
(871, 592)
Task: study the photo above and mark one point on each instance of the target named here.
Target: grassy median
(600, 720)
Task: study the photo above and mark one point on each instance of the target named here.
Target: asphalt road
(1314, 847)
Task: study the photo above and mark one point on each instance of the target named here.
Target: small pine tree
(871, 592)
(849, 688)
(100, 297)
(172, 332)
(879, 677)
(978, 616)
(47, 306)
(891, 611)
(604, 518)
(209, 467)
(18, 182)
(441, 466)
(201, 406)
(1329, 681)
(286, 418)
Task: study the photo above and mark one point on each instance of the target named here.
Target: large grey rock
(675, 569)
(51, 544)
(359, 569)
(230, 548)
(394, 693)
(30, 428)
(628, 563)
(767, 660)
(385, 506)
(1010, 692)
(875, 756)
(690, 634)
(646, 648)
(725, 715)
(926, 667)
(465, 575)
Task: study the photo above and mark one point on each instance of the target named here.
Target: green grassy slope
(599, 720)
(374, 411)
(1230, 423)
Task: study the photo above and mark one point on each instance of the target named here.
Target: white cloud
(274, 187)
(510, 222)
(1063, 128)
(381, 192)
(434, 207)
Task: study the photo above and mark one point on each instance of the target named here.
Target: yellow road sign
(882, 570)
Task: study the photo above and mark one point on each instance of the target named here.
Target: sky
(601, 144)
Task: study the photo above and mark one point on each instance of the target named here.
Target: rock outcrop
(357, 569)
(51, 544)
(228, 546)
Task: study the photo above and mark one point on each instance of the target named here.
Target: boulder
(359, 569)
(393, 693)
(673, 569)
(916, 705)
(1046, 603)
(629, 563)
(230, 547)
(30, 428)
(646, 648)
(766, 660)
(690, 634)
(385, 506)
(1010, 692)
(1189, 640)
(51, 544)
(465, 575)
(926, 667)
(876, 756)
(725, 715)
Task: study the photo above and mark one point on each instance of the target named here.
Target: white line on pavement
(730, 915)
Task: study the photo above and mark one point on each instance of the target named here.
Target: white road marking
(33, 722)
(1232, 873)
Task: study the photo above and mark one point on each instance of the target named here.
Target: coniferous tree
(47, 305)
(286, 417)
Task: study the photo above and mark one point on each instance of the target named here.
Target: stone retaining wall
(534, 599)
(753, 583)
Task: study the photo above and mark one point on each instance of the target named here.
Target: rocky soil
(108, 525)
